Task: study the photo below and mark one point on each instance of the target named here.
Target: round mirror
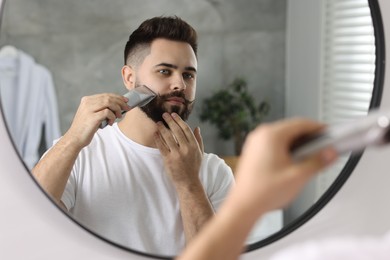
(320, 59)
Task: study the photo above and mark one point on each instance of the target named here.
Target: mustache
(179, 94)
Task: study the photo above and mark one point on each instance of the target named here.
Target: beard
(158, 106)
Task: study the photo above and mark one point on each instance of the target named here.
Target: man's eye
(165, 72)
(188, 76)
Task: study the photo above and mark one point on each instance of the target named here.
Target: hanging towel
(28, 102)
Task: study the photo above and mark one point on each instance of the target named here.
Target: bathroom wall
(82, 43)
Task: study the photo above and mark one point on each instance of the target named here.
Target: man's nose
(178, 83)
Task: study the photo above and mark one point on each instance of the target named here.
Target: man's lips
(176, 100)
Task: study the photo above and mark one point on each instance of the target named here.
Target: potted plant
(234, 111)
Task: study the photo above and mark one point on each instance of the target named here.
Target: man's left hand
(181, 149)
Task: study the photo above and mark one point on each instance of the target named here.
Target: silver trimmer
(138, 97)
(371, 130)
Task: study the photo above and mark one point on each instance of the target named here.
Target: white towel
(28, 102)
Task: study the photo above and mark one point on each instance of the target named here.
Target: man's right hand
(91, 112)
(267, 175)
(53, 170)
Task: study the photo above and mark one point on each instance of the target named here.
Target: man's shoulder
(102, 139)
(213, 162)
(212, 158)
(107, 134)
(215, 173)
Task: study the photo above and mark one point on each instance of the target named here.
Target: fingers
(199, 138)
(315, 163)
(108, 115)
(166, 136)
(160, 143)
(179, 133)
(297, 127)
(115, 103)
(104, 106)
(181, 149)
(180, 129)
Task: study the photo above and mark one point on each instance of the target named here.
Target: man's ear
(128, 76)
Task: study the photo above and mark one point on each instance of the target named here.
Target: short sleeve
(217, 178)
(69, 195)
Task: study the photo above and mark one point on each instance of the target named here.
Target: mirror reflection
(59, 59)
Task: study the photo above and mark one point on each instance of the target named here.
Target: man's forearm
(223, 237)
(53, 170)
(195, 208)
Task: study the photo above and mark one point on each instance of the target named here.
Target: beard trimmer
(371, 130)
(138, 97)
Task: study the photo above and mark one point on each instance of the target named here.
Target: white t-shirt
(118, 189)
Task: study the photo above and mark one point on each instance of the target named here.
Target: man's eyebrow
(163, 64)
(190, 68)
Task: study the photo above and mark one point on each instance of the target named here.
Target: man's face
(170, 71)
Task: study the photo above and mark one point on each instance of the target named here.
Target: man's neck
(138, 127)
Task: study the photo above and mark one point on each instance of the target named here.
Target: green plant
(234, 112)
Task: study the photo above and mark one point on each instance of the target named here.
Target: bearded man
(144, 182)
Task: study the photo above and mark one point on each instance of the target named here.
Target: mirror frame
(324, 199)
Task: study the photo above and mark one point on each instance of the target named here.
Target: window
(348, 69)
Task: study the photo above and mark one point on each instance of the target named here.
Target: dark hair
(171, 28)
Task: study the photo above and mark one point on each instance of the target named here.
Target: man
(144, 182)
